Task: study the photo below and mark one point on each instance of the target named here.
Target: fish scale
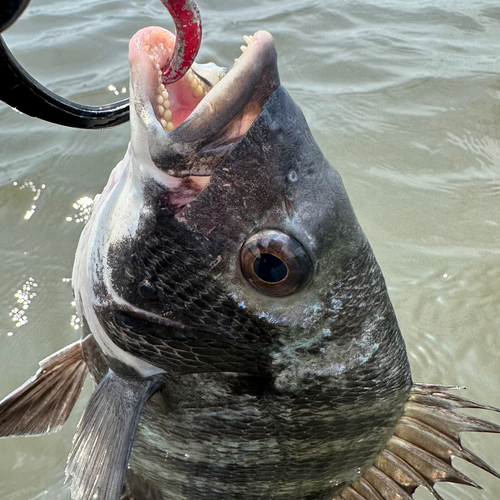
(285, 451)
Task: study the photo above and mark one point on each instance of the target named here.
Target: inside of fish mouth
(174, 103)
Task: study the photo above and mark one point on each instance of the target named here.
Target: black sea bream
(236, 322)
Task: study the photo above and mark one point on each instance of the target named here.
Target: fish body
(263, 396)
(236, 322)
(293, 403)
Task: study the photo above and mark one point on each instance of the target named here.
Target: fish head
(228, 243)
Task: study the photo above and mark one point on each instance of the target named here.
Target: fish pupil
(270, 268)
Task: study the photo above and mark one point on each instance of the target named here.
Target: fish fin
(43, 403)
(136, 488)
(103, 441)
(420, 452)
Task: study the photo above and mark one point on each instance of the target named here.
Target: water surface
(402, 96)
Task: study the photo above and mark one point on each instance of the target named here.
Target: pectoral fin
(43, 403)
(420, 451)
(104, 436)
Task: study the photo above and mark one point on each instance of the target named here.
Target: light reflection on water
(403, 98)
(83, 207)
(23, 297)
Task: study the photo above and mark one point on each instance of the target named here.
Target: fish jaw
(188, 127)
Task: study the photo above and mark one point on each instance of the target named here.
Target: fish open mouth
(191, 125)
(174, 102)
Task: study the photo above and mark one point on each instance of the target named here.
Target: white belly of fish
(115, 216)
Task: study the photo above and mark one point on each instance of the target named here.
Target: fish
(236, 323)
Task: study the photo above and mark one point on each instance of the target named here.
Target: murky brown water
(403, 97)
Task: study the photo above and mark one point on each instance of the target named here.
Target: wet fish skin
(317, 381)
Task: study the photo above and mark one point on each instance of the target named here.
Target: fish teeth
(155, 45)
(198, 89)
(165, 115)
(248, 40)
(198, 86)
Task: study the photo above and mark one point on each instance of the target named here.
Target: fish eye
(275, 264)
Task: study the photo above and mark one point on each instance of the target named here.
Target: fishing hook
(21, 91)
